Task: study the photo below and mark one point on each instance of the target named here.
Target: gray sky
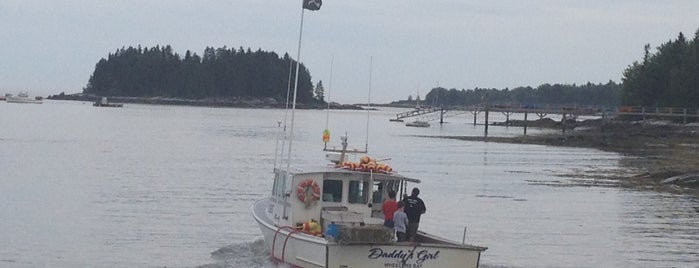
(51, 46)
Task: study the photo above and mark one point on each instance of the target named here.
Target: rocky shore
(662, 156)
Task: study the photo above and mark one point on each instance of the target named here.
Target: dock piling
(463, 240)
(525, 123)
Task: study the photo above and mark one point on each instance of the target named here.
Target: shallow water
(171, 186)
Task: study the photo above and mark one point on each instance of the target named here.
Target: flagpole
(296, 87)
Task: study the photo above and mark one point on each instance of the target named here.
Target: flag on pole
(312, 4)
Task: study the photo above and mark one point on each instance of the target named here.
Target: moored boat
(330, 217)
(22, 97)
(417, 123)
(103, 102)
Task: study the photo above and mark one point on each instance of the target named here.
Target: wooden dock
(566, 112)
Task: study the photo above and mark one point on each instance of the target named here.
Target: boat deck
(423, 239)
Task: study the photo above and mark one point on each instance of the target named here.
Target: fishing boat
(22, 97)
(329, 216)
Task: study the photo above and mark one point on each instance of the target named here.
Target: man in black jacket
(414, 208)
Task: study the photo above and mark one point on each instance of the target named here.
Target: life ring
(308, 192)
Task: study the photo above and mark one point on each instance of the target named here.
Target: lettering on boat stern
(412, 258)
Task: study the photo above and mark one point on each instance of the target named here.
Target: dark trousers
(401, 236)
(388, 223)
(412, 230)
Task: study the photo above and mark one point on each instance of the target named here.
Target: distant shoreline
(238, 102)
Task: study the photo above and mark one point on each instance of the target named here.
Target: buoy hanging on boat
(326, 135)
(312, 227)
(308, 192)
(367, 164)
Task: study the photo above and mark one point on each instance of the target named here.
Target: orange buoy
(326, 135)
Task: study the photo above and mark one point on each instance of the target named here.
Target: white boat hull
(22, 100)
(302, 250)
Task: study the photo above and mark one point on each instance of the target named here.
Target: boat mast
(368, 111)
(296, 87)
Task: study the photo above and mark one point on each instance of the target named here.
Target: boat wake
(249, 254)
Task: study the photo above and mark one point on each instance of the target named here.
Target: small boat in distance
(22, 97)
(417, 123)
(105, 103)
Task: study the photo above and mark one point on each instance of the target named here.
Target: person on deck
(389, 207)
(414, 208)
(400, 221)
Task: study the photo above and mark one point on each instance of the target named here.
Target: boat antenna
(417, 99)
(276, 147)
(368, 111)
(330, 84)
(326, 132)
(286, 110)
(435, 101)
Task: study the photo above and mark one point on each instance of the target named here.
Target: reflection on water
(666, 228)
(152, 186)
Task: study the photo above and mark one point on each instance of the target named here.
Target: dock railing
(645, 113)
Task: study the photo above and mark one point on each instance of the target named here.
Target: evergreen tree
(667, 78)
(320, 91)
(546, 94)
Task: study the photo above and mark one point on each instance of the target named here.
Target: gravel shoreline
(655, 150)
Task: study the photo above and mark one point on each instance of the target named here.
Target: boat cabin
(333, 195)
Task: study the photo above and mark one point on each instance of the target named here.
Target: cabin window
(357, 192)
(377, 193)
(332, 191)
(278, 188)
(274, 187)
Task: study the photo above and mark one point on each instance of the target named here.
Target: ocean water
(172, 186)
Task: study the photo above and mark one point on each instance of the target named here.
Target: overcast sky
(51, 46)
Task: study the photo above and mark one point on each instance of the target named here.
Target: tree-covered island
(222, 76)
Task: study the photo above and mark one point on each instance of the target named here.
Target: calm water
(170, 186)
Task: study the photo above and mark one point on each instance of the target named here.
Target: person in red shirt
(389, 207)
